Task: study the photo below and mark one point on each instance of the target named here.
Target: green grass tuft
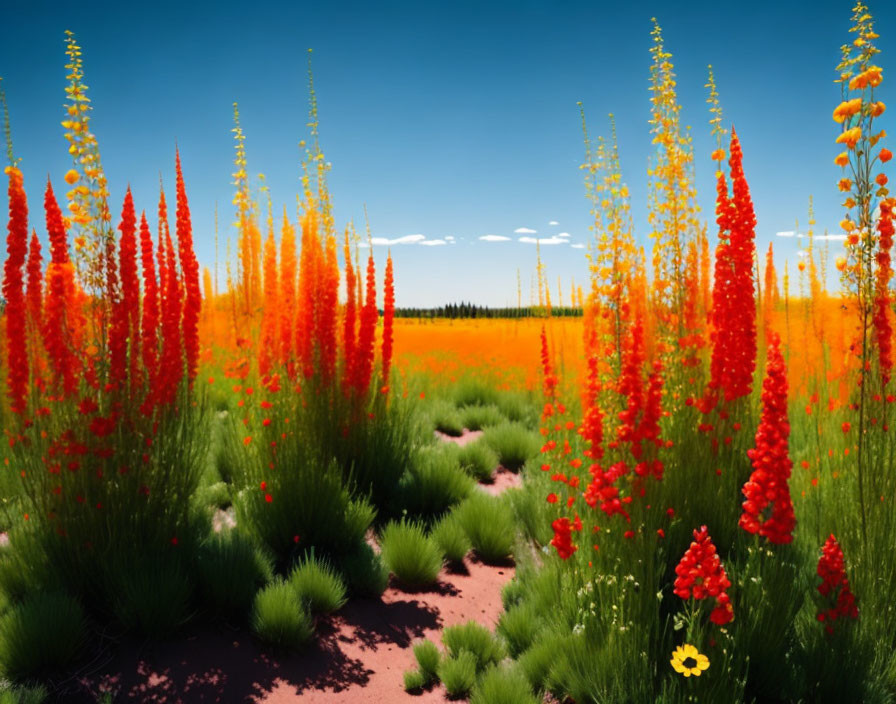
(479, 417)
(434, 483)
(451, 538)
(364, 572)
(410, 554)
(513, 443)
(458, 674)
(478, 460)
(488, 522)
(42, 635)
(414, 681)
(503, 685)
(318, 585)
(428, 657)
(279, 619)
(231, 569)
(475, 639)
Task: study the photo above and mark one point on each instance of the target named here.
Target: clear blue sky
(448, 119)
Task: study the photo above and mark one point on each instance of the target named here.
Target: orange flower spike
(190, 269)
(271, 311)
(770, 292)
(349, 321)
(329, 310)
(62, 310)
(288, 272)
(306, 327)
(388, 318)
(163, 257)
(13, 284)
(171, 367)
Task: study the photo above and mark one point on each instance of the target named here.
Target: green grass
(514, 444)
(410, 554)
(475, 639)
(414, 680)
(428, 657)
(478, 460)
(446, 418)
(458, 674)
(434, 483)
(503, 685)
(489, 524)
(475, 392)
(279, 619)
(451, 539)
(26, 695)
(42, 635)
(364, 572)
(231, 568)
(479, 417)
(519, 627)
(318, 585)
(153, 594)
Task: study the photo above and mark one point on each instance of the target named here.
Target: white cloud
(449, 237)
(801, 236)
(494, 238)
(524, 231)
(553, 222)
(432, 243)
(363, 245)
(543, 240)
(562, 234)
(577, 246)
(407, 239)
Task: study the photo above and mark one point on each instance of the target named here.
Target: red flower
(101, 427)
(700, 575)
(562, 539)
(190, 268)
(834, 588)
(16, 252)
(349, 323)
(768, 509)
(366, 333)
(388, 316)
(882, 319)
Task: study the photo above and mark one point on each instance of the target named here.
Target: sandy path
(359, 655)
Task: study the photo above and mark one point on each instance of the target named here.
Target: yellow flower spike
(687, 660)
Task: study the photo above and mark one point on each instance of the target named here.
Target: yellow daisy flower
(687, 660)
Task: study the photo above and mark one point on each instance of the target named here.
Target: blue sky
(447, 119)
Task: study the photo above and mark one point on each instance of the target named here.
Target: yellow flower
(842, 159)
(847, 109)
(877, 109)
(687, 661)
(840, 263)
(71, 176)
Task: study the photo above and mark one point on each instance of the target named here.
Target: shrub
(451, 539)
(519, 408)
(479, 417)
(458, 674)
(231, 569)
(42, 634)
(24, 566)
(24, 695)
(532, 513)
(513, 443)
(305, 503)
(536, 662)
(152, 594)
(279, 619)
(364, 571)
(446, 419)
(410, 554)
(217, 495)
(512, 593)
(489, 524)
(475, 392)
(503, 685)
(318, 585)
(428, 657)
(414, 680)
(519, 626)
(475, 639)
(478, 460)
(435, 483)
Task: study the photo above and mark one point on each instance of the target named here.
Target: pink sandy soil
(504, 478)
(358, 656)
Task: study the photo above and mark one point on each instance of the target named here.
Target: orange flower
(877, 109)
(718, 155)
(881, 179)
(847, 109)
(71, 176)
(850, 137)
(853, 238)
(842, 159)
(885, 155)
(840, 263)
(844, 184)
